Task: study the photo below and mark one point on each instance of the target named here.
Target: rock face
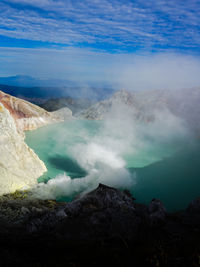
(74, 104)
(27, 116)
(182, 103)
(101, 227)
(140, 106)
(63, 114)
(19, 165)
(105, 211)
(100, 110)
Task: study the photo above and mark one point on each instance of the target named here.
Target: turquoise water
(53, 143)
(168, 170)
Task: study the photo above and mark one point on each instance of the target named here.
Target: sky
(139, 43)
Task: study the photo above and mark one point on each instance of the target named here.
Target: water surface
(168, 171)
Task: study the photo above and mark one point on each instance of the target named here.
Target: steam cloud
(102, 155)
(159, 71)
(133, 71)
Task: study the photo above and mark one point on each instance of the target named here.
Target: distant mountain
(117, 102)
(37, 92)
(33, 92)
(183, 103)
(27, 86)
(28, 81)
(74, 104)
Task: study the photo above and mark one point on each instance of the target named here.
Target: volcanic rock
(19, 165)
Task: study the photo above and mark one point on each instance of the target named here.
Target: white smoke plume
(103, 155)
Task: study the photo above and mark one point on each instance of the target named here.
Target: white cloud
(141, 23)
(125, 70)
(160, 71)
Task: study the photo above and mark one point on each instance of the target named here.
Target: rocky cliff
(19, 165)
(183, 103)
(26, 115)
(141, 109)
(74, 104)
(105, 227)
(62, 114)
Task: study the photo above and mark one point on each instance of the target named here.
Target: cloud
(121, 141)
(122, 24)
(123, 70)
(72, 63)
(160, 71)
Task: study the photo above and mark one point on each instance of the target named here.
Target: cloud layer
(123, 70)
(109, 24)
(131, 44)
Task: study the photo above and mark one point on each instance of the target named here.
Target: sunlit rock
(26, 115)
(19, 165)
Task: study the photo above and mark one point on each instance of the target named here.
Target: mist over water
(118, 151)
(77, 149)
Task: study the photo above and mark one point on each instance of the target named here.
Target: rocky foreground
(103, 227)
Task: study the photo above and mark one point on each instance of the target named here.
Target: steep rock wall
(19, 165)
(26, 115)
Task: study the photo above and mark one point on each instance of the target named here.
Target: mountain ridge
(183, 103)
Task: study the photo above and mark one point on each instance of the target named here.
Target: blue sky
(94, 39)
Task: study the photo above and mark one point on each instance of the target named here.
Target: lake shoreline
(169, 167)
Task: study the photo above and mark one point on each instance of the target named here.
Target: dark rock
(194, 206)
(104, 212)
(44, 222)
(102, 197)
(103, 227)
(157, 212)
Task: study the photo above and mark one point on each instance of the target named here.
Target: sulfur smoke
(104, 154)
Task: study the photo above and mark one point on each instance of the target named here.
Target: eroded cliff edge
(19, 165)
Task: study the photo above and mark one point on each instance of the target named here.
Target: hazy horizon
(140, 45)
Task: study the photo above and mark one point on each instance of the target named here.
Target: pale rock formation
(63, 113)
(119, 100)
(26, 115)
(182, 103)
(19, 165)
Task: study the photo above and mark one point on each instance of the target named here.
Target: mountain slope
(19, 165)
(27, 116)
(119, 100)
(183, 103)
